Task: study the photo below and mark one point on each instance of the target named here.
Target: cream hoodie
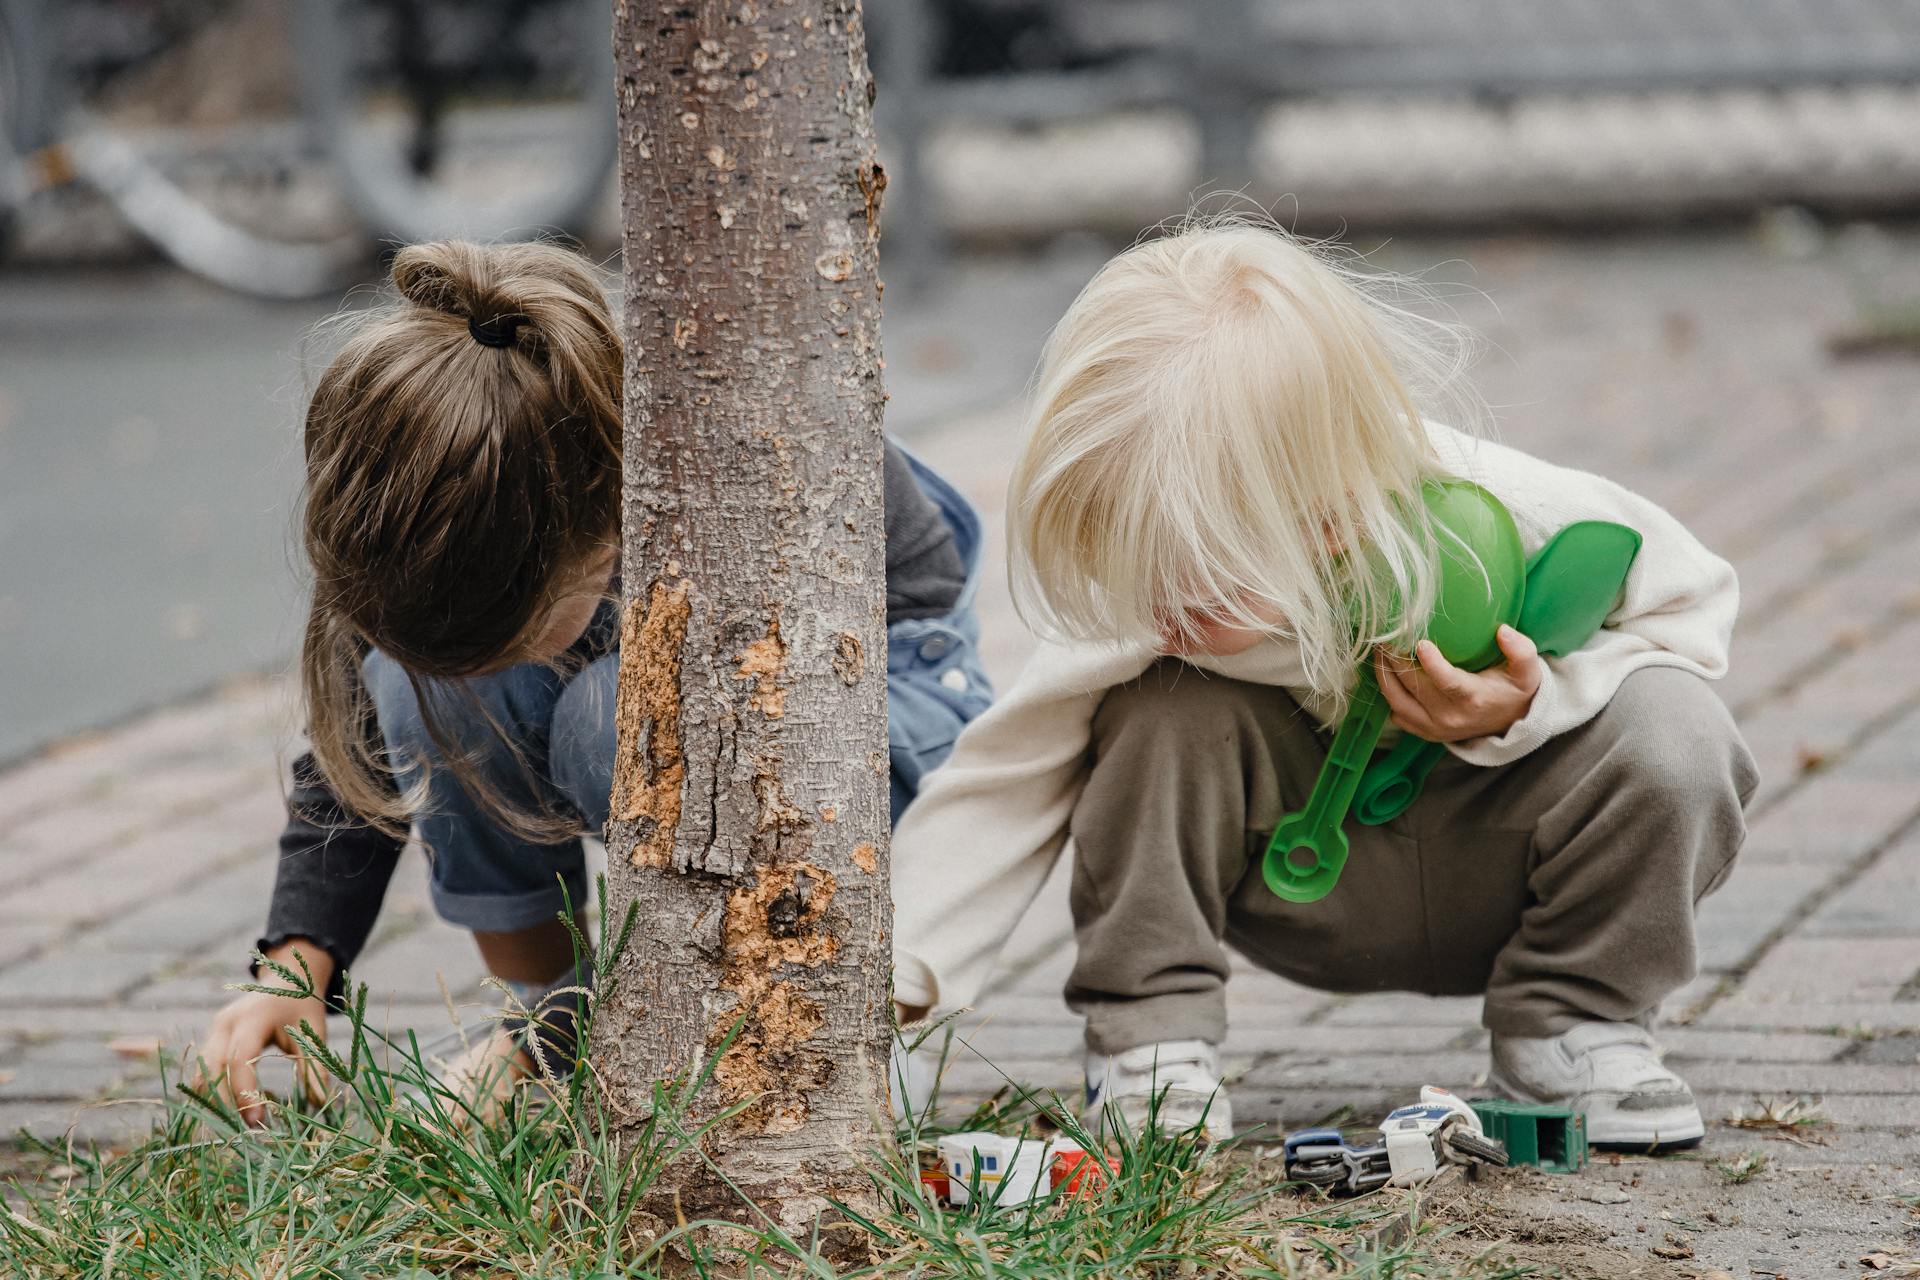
(973, 850)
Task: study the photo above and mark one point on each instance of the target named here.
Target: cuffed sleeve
(331, 878)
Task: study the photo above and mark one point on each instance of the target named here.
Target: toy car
(1013, 1172)
(1326, 1158)
(1437, 1130)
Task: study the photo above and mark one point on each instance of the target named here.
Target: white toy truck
(1438, 1130)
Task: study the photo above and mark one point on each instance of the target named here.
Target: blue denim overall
(489, 879)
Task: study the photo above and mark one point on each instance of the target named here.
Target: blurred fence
(339, 122)
(1224, 61)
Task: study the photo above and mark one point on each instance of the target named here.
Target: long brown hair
(463, 468)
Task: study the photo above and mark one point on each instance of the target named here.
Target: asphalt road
(149, 466)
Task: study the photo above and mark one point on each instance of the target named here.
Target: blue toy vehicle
(1325, 1158)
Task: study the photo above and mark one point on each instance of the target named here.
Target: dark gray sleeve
(332, 875)
(924, 571)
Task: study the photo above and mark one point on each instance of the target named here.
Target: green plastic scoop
(1481, 584)
(1572, 585)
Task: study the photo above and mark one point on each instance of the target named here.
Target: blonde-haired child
(1228, 425)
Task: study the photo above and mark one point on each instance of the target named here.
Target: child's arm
(925, 574)
(248, 1026)
(330, 880)
(1677, 609)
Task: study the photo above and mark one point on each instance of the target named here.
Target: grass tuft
(1797, 1119)
(394, 1173)
(1742, 1168)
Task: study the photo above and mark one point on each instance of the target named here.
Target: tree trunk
(750, 789)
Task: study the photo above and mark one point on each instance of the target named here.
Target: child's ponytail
(463, 473)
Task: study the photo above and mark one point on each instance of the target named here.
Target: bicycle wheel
(484, 119)
(19, 88)
(133, 108)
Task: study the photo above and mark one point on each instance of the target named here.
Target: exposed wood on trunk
(750, 821)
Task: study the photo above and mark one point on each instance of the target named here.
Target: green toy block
(1553, 1138)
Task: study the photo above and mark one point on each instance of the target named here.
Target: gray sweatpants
(1561, 886)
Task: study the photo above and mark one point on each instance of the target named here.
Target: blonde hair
(1221, 417)
(462, 471)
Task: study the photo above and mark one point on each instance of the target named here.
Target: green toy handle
(1395, 780)
(1572, 584)
(1307, 849)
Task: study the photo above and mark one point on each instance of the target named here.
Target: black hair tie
(497, 331)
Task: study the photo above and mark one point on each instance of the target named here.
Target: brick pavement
(134, 863)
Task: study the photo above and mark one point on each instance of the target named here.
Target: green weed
(395, 1175)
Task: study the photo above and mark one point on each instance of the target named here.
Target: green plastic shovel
(1573, 583)
(1482, 582)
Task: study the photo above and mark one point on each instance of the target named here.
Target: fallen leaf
(1603, 1195)
(1877, 1260)
(135, 1046)
(1676, 1248)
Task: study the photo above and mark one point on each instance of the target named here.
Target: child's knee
(581, 744)
(1673, 741)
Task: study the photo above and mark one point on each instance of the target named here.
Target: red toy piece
(1077, 1173)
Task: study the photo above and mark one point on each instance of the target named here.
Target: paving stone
(1883, 901)
(1845, 969)
(1408, 1071)
(1754, 1009)
(1756, 899)
(77, 974)
(19, 939)
(1732, 1076)
(31, 1023)
(223, 905)
(67, 1069)
(1896, 1050)
(29, 790)
(54, 841)
(1832, 820)
(1432, 1011)
(411, 967)
(142, 864)
(1320, 1040)
(102, 1124)
(1706, 987)
(1693, 1044)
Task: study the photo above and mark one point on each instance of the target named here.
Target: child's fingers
(1408, 714)
(1523, 658)
(241, 1087)
(312, 1076)
(1446, 678)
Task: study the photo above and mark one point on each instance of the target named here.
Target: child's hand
(1441, 703)
(258, 1021)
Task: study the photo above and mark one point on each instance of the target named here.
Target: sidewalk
(134, 866)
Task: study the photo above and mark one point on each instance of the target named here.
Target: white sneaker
(1173, 1086)
(1611, 1071)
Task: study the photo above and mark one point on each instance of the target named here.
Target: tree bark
(750, 790)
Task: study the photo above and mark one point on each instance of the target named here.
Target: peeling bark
(749, 818)
(648, 765)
